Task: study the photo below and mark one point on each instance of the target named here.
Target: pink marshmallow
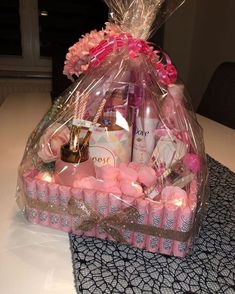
(147, 176)
(134, 165)
(127, 173)
(131, 189)
(85, 183)
(107, 172)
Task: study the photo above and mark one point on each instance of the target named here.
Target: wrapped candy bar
(120, 155)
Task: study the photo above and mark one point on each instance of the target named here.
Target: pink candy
(147, 176)
(127, 173)
(192, 162)
(117, 180)
(174, 195)
(107, 172)
(130, 188)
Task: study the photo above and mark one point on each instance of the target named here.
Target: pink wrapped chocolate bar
(120, 155)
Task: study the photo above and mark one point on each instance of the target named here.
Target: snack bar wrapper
(120, 155)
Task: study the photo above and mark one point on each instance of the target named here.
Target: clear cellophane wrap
(120, 155)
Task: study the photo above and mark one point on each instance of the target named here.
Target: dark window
(63, 22)
(10, 36)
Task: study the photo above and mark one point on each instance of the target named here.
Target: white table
(34, 259)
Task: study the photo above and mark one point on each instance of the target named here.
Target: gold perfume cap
(80, 155)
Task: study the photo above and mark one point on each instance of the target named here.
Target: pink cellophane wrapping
(140, 176)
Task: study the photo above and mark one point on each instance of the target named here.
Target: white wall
(198, 37)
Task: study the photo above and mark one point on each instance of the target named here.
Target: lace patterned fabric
(108, 267)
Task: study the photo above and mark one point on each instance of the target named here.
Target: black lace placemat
(107, 267)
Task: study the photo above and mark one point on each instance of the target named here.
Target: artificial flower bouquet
(119, 155)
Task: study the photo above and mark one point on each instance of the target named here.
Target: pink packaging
(102, 207)
(76, 220)
(139, 239)
(31, 192)
(65, 220)
(115, 204)
(90, 200)
(53, 199)
(185, 215)
(169, 223)
(155, 219)
(42, 195)
(127, 202)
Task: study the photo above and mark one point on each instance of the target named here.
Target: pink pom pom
(131, 189)
(192, 162)
(147, 176)
(127, 173)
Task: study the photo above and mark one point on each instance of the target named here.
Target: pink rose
(51, 141)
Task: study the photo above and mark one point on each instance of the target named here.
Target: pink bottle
(42, 194)
(155, 219)
(32, 214)
(73, 165)
(65, 219)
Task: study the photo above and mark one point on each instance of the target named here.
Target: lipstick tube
(102, 207)
(180, 249)
(32, 214)
(53, 199)
(155, 219)
(169, 223)
(42, 194)
(90, 200)
(139, 239)
(127, 202)
(115, 204)
(78, 195)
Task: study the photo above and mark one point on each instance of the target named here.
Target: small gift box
(119, 155)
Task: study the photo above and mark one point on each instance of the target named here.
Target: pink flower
(51, 141)
(77, 59)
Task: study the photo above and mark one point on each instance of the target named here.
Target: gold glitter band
(126, 218)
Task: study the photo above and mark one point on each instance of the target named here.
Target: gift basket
(120, 155)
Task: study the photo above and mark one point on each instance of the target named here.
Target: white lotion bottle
(145, 126)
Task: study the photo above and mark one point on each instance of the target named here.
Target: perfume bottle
(73, 165)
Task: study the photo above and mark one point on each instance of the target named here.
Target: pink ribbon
(166, 72)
